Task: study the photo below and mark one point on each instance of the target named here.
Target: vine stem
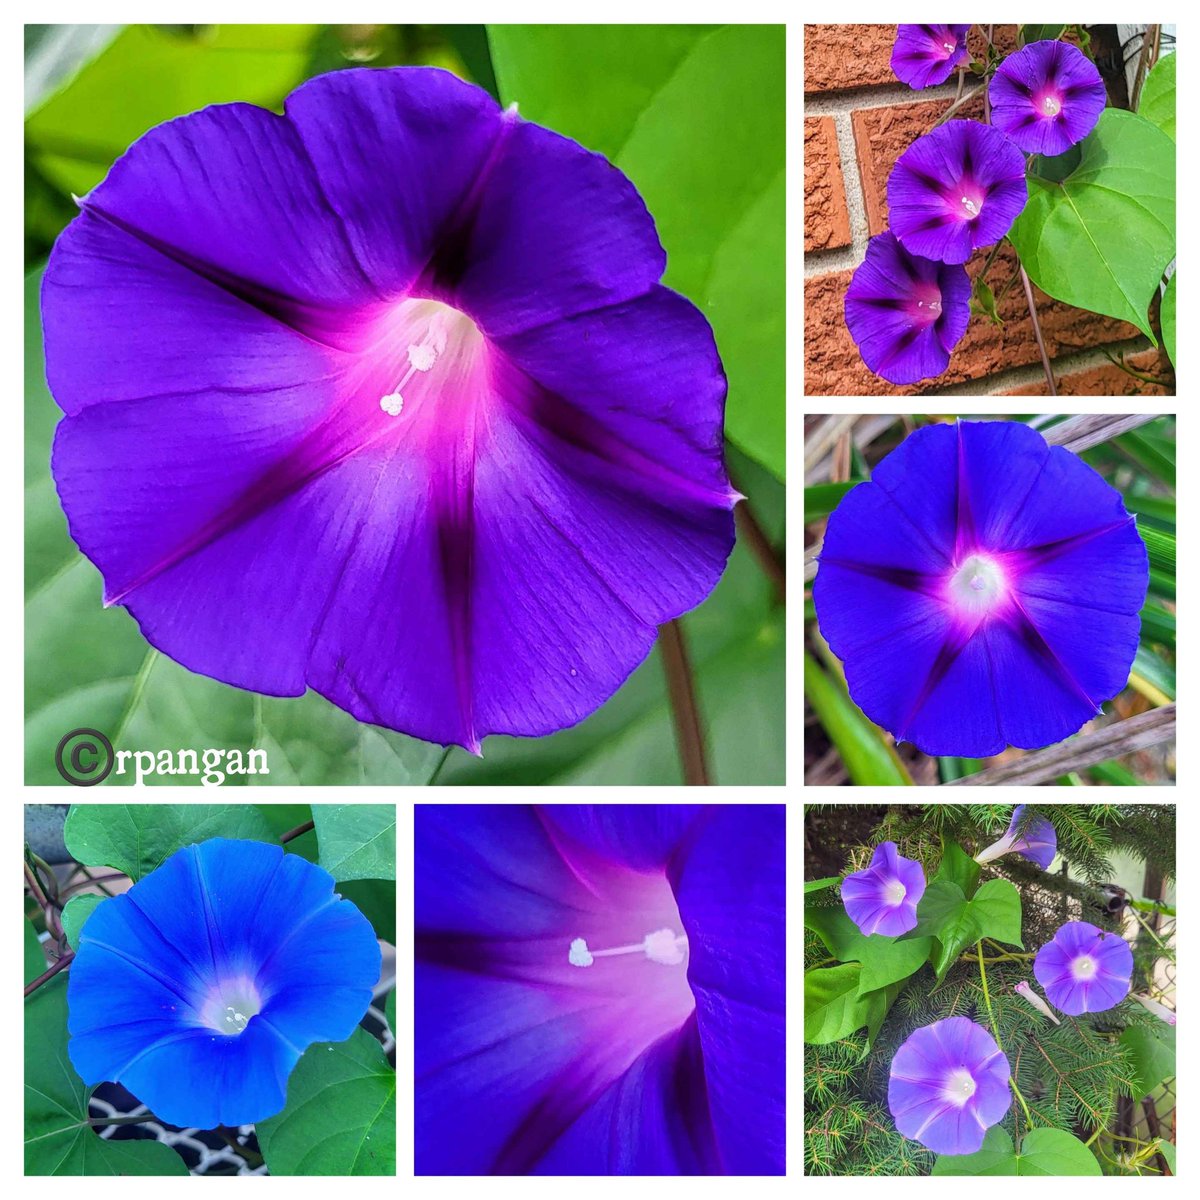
(292, 834)
(959, 104)
(48, 906)
(49, 974)
(987, 1000)
(681, 690)
(1037, 331)
(752, 533)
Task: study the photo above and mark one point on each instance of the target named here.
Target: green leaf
(137, 838)
(958, 867)
(283, 818)
(150, 74)
(1152, 458)
(389, 1011)
(357, 841)
(867, 757)
(1167, 1149)
(1043, 1152)
(819, 885)
(1152, 1055)
(822, 498)
(1157, 101)
(1028, 34)
(885, 960)
(694, 115)
(945, 913)
(376, 900)
(1154, 670)
(1159, 511)
(832, 1006)
(87, 666)
(76, 912)
(340, 1117)
(35, 956)
(877, 1006)
(1158, 625)
(1166, 315)
(58, 1139)
(1102, 238)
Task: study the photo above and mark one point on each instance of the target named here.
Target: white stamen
(661, 946)
(392, 404)
(959, 1087)
(422, 357)
(1051, 106)
(894, 893)
(1083, 967)
(976, 586)
(970, 206)
(948, 46)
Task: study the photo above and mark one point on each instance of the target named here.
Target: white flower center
(1084, 967)
(971, 206)
(1051, 107)
(439, 333)
(976, 586)
(229, 1007)
(948, 47)
(959, 1086)
(661, 946)
(894, 893)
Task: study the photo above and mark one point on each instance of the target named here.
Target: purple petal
(925, 55)
(905, 313)
(956, 189)
(1039, 842)
(1047, 97)
(883, 898)
(1084, 969)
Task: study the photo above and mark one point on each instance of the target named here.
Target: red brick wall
(858, 120)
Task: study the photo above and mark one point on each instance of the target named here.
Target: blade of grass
(1161, 584)
(1158, 625)
(1148, 457)
(957, 768)
(1152, 677)
(822, 498)
(1158, 510)
(867, 757)
(1114, 773)
(1160, 545)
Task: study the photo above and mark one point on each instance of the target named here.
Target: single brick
(826, 221)
(881, 135)
(1109, 380)
(842, 57)
(833, 367)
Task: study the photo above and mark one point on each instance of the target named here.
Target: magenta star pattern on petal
(925, 55)
(382, 397)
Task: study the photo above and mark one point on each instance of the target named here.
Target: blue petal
(731, 896)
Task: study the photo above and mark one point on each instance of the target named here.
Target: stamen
(392, 404)
(948, 47)
(661, 946)
(422, 356)
(970, 206)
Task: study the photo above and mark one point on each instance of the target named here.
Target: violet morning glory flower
(1047, 97)
(883, 898)
(983, 589)
(383, 397)
(906, 313)
(599, 989)
(955, 189)
(948, 1085)
(928, 54)
(200, 987)
(1039, 842)
(1084, 969)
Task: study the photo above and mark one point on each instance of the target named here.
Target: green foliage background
(694, 114)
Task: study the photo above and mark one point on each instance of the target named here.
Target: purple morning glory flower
(1039, 842)
(200, 987)
(383, 397)
(982, 590)
(928, 54)
(906, 313)
(883, 898)
(948, 1085)
(599, 989)
(1083, 969)
(1047, 97)
(955, 189)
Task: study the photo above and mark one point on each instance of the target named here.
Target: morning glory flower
(925, 55)
(955, 189)
(1152, 1006)
(199, 988)
(382, 397)
(1027, 993)
(1039, 842)
(1083, 969)
(599, 989)
(982, 590)
(906, 313)
(1047, 97)
(883, 898)
(948, 1084)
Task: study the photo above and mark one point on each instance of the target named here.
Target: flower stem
(959, 104)
(753, 534)
(987, 1000)
(38, 891)
(681, 690)
(1037, 331)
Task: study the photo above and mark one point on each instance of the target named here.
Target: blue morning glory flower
(599, 989)
(199, 989)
